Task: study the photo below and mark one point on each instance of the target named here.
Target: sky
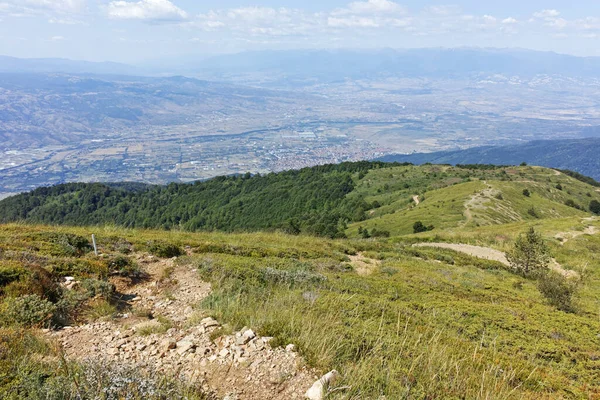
(142, 31)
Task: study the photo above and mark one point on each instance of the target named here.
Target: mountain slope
(320, 200)
(394, 320)
(578, 155)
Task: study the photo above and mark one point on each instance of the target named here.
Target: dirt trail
(494, 255)
(241, 365)
(416, 200)
(476, 201)
(364, 265)
(564, 237)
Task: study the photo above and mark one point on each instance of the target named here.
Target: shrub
(165, 250)
(68, 244)
(571, 203)
(123, 266)
(94, 288)
(595, 206)
(526, 193)
(377, 233)
(530, 255)
(419, 227)
(559, 186)
(30, 310)
(557, 290)
(364, 233)
(10, 273)
(298, 277)
(533, 212)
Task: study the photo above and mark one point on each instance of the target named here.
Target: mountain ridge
(572, 154)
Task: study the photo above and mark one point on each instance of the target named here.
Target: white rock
(290, 348)
(247, 336)
(209, 322)
(319, 389)
(184, 346)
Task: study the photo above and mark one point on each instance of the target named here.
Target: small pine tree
(530, 255)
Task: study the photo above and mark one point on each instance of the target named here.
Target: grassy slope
(429, 323)
(446, 190)
(414, 327)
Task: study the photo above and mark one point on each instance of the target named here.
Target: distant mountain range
(55, 65)
(325, 66)
(581, 155)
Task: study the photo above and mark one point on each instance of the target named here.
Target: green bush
(419, 227)
(165, 250)
(67, 244)
(557, 290)
(124, 266)
(571, 203)
(526, 193)
(595, 206)
(10, 273)
(26, 311)
(94, 287)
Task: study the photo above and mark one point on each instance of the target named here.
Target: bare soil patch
(165, 332)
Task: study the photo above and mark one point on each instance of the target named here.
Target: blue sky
(140, 30)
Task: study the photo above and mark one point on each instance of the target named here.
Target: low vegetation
(420, 322)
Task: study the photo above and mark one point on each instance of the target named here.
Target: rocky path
(416, 200)
(494, 255)
(164, 332)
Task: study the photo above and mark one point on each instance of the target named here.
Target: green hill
(572, 154)
(324, 201)
(396, 320)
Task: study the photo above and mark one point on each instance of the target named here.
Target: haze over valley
(273, 111)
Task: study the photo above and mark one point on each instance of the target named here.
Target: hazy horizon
(137, 31)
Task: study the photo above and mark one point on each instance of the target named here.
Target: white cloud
(352, 22)
(489, 19)
(148, 10)
(372, 7)
(55, 5)
(546, 14)
(509, 21)
(259, 21)
(28, 8)
(442, 10)
(65, 21)
(558, 23)
(57, 38)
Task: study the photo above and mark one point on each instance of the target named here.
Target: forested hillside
(312, 200)
(332, 200)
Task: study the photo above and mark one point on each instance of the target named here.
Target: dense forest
(311, 200)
